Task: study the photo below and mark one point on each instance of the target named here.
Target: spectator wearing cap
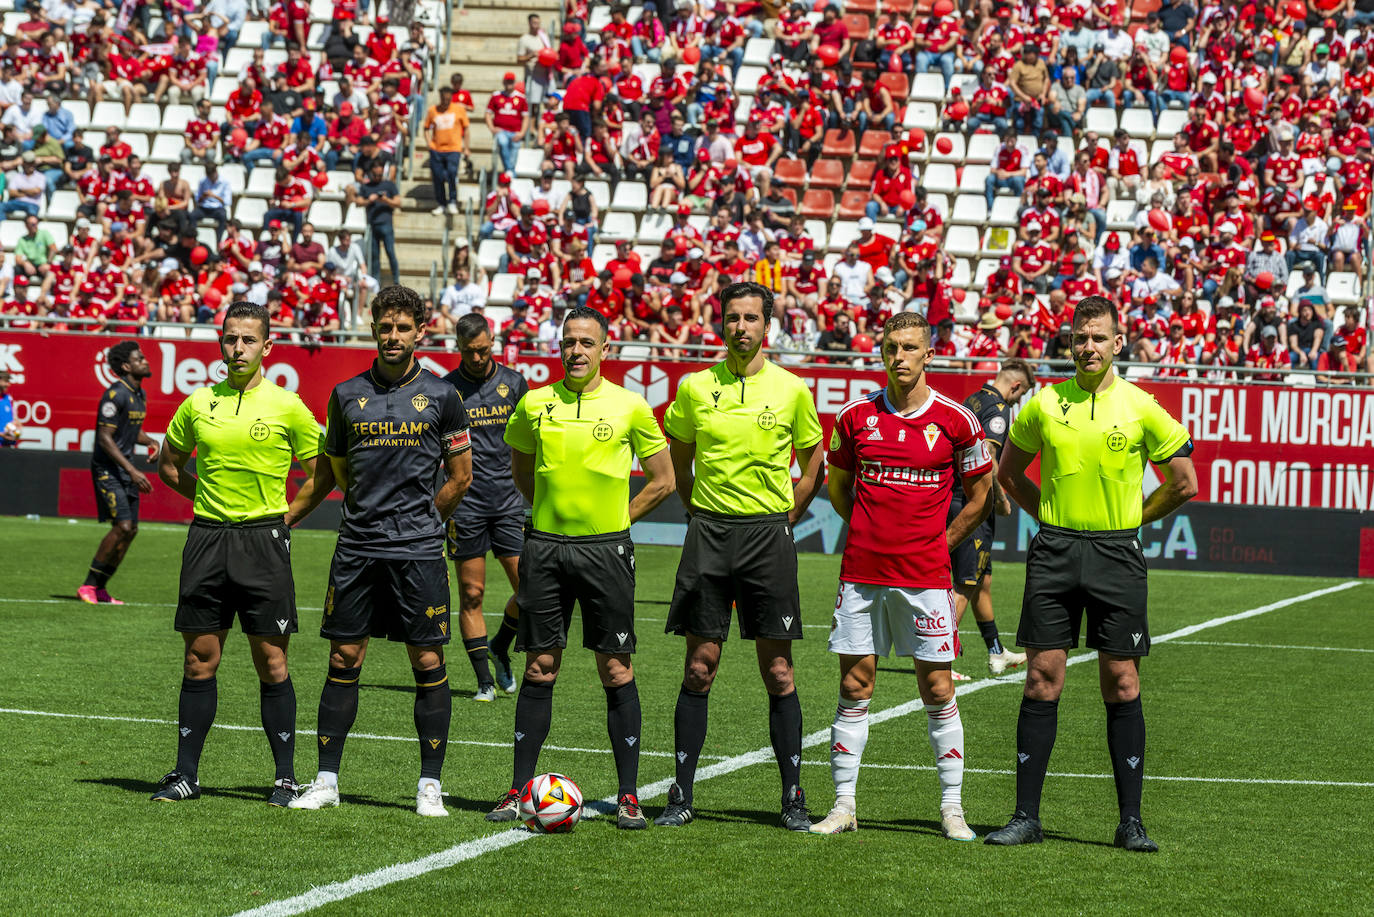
(1320, 69)
(1010, 165)
(1025, 343)
(1108, 256)
(1033, 260)
(1338, 358)
(508, 119)
(1308, 239)
(990, 104)
(1268, 260)
(1100, 76)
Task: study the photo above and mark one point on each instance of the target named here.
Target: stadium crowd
(931, 136)
(1208, 169)
(131, 158)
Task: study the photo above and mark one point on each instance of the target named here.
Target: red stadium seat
(897, 84)
(867, 7)
(839, 144)
(791, 172)
(853, 204)
(818, 204)
(858, 24)
(861, 174)
(903, 8)
(827, 174)
(791, 195)
(871, 146)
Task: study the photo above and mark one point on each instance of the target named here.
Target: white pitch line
(370, 881)
(1277, 781)
(310, 732)
(1278, 646)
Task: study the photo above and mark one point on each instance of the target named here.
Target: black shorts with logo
(116, 497)
(595, 571)
(242, 568)
(402, 599)
(473, 535)
(971, 559)
(1103, 573)
(747, 563)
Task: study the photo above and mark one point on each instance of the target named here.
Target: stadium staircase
(482, 48)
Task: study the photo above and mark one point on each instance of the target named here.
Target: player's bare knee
(542, 668)
(126, 529)
(615, 671)
(471, 597)
(346, 656)
(777, 676)
(854, 687)
(698, 675)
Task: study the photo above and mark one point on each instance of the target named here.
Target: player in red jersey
(895, 456)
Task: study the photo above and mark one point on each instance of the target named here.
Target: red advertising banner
(1257, 445)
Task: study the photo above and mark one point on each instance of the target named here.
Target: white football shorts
(874, 619)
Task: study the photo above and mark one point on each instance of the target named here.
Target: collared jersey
(745, 429)
(489, 403)
(1093, 448)
(122, 409)
(395, 438)
(244, 442)
(582, 445)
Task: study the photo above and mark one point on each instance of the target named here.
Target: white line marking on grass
(1277, 781)
(1277, 646)
(365, 882)
(310, 732)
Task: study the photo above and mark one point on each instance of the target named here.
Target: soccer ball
(550, 804)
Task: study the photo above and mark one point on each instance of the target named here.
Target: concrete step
(545, 8)
(506, 24)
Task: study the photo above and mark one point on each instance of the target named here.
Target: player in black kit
(118, 429)
(971, 560)
(392, 431)
(492, 515)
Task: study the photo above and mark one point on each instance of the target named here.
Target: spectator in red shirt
(1009, 169)
(1268, 354)
(831, 31)
(894, 188)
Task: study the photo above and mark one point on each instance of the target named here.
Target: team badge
(603, 432)
(259, 431)
(502, 389)
(872, 420)
(997, 425)
(932, 435)
(1116, 440)
(362, 403)
(834, 439)
(767, 420)
(108, 409)
(420, 402)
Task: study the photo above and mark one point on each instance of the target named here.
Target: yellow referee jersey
(1093, 448)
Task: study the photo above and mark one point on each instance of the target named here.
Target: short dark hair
(470, 326)
(1018, 366)
(1090, 307)
(119, 355)
(744, 288)
(904, 320)
(587, 312)
(242, 308)
(397, 298)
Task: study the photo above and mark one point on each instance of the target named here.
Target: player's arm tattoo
(683, 454)
(658, 484)
(812, 462)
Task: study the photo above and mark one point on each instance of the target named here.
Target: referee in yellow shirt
(1094, 434)
(740, 422)
(571, 448)
(237, 560)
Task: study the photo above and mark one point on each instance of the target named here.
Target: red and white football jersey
(905, 470)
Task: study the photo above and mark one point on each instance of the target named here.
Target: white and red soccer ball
(550, 804)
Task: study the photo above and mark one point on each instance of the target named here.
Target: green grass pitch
(1262, 725)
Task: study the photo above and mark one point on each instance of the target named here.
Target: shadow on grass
(259, 794)
(458, 693)
(70, 597)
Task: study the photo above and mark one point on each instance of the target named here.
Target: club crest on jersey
(420, 402)
(502, 389)
(932, 435)
(872, 420)
(362, 403)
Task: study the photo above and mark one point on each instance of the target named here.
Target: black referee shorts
(472, 535)
(1103, 573)
(402, 599)
(241, 568)
(595, 571)
(115, 496)
(747, 563)
(971, 559)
